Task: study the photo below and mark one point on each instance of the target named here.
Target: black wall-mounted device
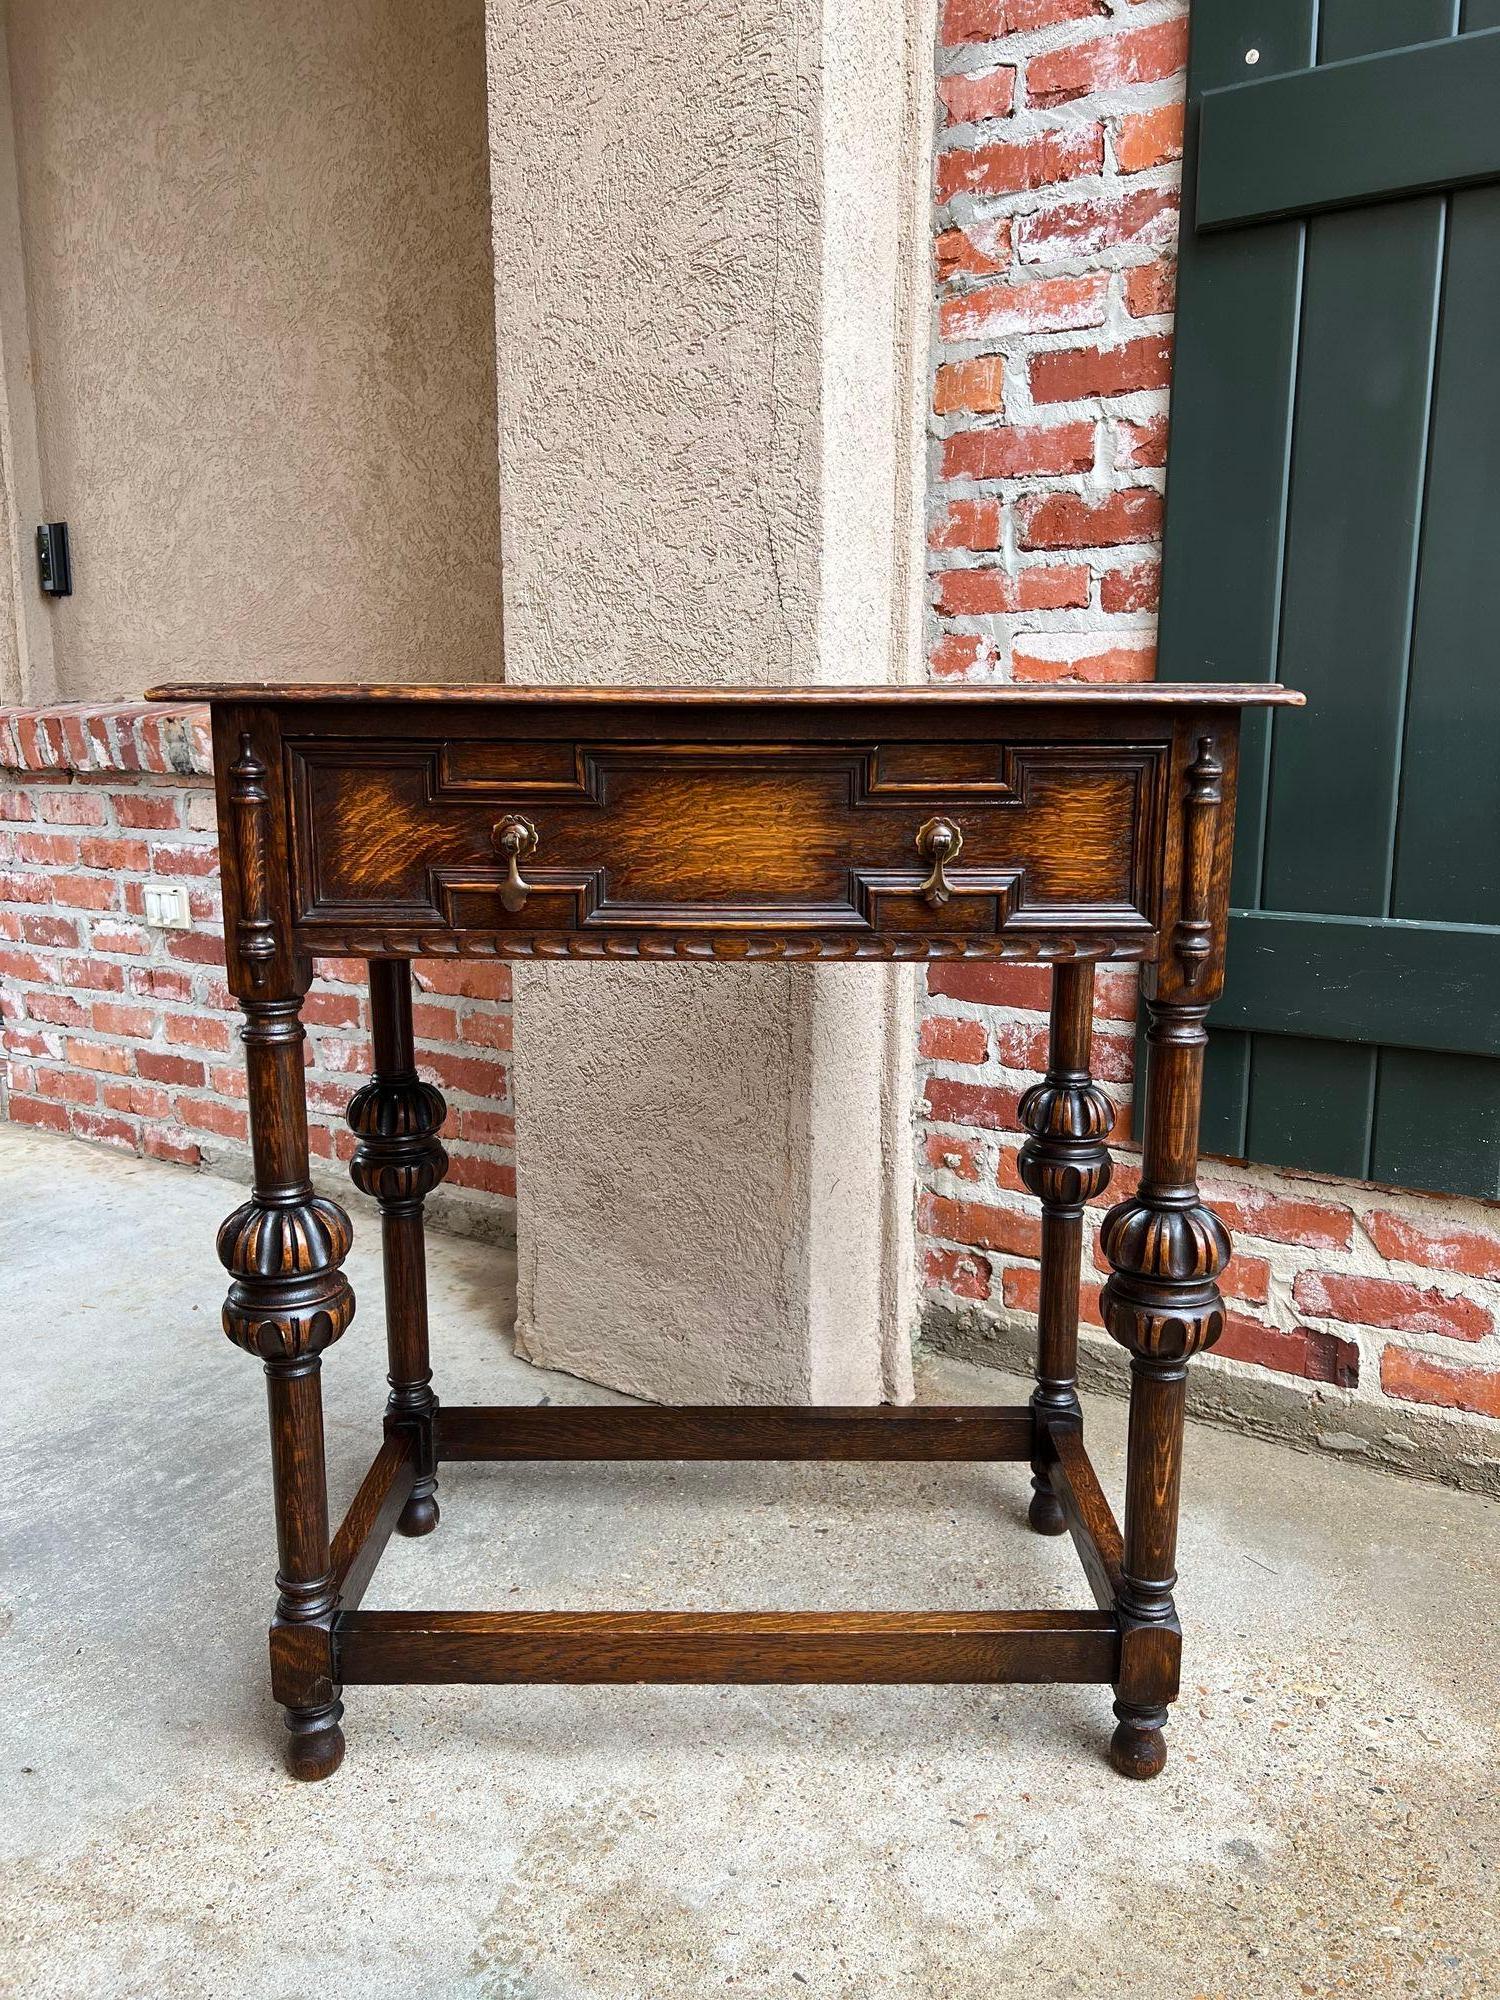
(53, 562)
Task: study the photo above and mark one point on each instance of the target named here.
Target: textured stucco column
(710, 274)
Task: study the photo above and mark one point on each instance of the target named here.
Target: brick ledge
(80, 739)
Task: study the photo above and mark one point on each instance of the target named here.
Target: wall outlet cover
(167, 908)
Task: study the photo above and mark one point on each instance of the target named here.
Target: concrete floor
(1329, 1821)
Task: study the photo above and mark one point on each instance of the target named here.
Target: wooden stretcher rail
(1090, 1519)
(372, 1516)
(731, 1432)
(749, 1647)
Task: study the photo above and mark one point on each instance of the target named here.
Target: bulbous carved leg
(399, 1161)
(316, 1748)
(289, 1300)
(1138, 1749)
(1064, 1163)
(1162, 1303)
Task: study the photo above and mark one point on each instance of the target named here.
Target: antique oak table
(824, 827)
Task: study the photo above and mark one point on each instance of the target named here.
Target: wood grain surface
(734, 1431)
(1087, 1513)
(745, 1647)
(372, 1516)
(1201, 694)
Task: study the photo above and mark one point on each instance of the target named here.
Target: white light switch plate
(167, 908)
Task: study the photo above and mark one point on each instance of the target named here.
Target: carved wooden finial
(255, 937)
(1192, 940)
(247, 771)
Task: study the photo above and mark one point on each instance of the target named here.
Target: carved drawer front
(960, 839)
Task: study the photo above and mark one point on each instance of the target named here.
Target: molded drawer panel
(687, 837)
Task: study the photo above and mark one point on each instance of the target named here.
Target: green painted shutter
(1333, 521)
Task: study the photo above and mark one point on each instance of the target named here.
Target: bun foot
(1138, 1749)
(316, 1748)
(419, 1516)
(1044, 1514)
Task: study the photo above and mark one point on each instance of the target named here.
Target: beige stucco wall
(709, 248)
(26, 663)
(710, 266)
(258, 284)
(657, 302)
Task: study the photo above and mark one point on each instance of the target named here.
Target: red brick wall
(1060, 129)
(118, 1032)
(1056, 186)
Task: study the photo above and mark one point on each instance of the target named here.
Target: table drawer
(542, 837)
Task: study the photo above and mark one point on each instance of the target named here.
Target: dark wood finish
(1086, 1513)
(812, 841)
(399, 1161)
(373, 1513)
(1166, 1251)
(588, 1432)
(773, 701)
(283, 1248)
(1064, 1163)
(753, 1648)
(740, 826)
(860, 823)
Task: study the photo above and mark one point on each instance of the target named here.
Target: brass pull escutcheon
(939, 842)
(515, 838)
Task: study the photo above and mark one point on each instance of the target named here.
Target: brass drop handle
(939, 842)
(515, 838)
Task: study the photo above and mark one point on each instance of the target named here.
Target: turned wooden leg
(399, 1161)
(1166, 1251)
(288, 1300)
(1065, 1163)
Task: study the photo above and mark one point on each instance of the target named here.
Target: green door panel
(1437, 1123)
(1310, 1105)
(1418, 986)
(1226, 1091)
(1373, 27)
(1447, 863)
(1235, 371)
(1372, 129)
(1369, 327)
(1333, 515)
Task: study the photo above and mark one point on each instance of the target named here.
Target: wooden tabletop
(1147, 694)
